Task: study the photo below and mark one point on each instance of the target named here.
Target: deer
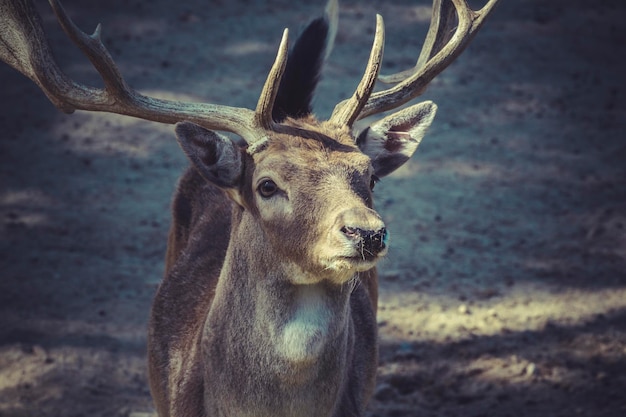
(268, 302)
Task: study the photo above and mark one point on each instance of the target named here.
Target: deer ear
(217, 158)
(390, 142)
(304, 66)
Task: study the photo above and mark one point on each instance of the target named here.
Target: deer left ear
(390, 142)
(217, 158)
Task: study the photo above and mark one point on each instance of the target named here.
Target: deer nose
(365, 231)
(369, 243)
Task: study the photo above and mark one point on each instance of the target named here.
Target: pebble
(464, 309)
(385, 392)
(531, 369)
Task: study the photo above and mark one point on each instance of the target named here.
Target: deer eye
(267, 188)
(373, 181)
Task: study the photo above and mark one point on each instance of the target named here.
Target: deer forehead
(297, 167)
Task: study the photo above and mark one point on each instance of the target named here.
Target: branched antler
(348, 111)
(444, 43)
(23, 45)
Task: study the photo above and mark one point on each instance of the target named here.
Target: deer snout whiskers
(363, 233)
(369, 243)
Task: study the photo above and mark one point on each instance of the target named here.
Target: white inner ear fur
(391, 141)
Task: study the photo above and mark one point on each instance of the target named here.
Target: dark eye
(373, 181)
(267, 188)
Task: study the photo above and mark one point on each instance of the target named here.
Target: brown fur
(314, 168)
(268, 305)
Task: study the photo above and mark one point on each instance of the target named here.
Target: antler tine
(439, 50)
(439, 33)
(263, 114)
(347, 112)
(96, 52)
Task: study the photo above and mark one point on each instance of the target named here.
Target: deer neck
(295, 320)
(265, 334)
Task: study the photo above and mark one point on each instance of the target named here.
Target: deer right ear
(390, 142)
(217, 158)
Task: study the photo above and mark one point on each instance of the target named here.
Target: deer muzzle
(369, 243)
(364, 233)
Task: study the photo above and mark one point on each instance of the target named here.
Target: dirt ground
(505, 290)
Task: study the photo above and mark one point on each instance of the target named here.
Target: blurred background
(504, 293)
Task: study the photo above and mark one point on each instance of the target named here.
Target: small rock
(531, 369)
(405, 352)
(464, 309)
(385, 392)
(40, 352)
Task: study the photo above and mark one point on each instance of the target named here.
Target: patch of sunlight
(48, 370)
(466, 169)
(18, 369)
(25, 199)
(32, 219)
(406, 15)
(248, 47)
(420, 14)
(438, 318)
(113, 134)
(131, 26)
(31, 197)
(172, 96)
(37, 366)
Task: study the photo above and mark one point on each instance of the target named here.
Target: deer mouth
(356, 250)
(366, 258)
(357, 263)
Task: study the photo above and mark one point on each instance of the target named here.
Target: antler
(444, 43)
(23, 45)
(347, 112)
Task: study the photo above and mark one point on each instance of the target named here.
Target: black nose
(369, 243)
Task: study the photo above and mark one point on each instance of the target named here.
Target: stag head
(307, 184)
